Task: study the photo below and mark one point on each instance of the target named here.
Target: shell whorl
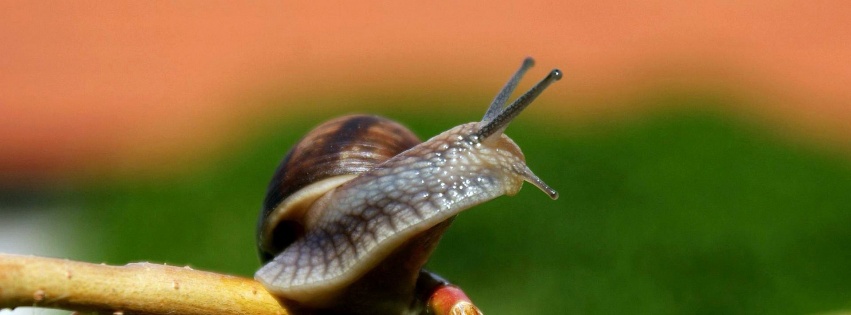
(347, 145)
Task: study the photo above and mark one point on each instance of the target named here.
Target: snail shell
(332, 153)
(357, 206)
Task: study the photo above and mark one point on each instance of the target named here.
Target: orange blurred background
(113, 86)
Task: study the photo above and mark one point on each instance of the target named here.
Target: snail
(356, 207)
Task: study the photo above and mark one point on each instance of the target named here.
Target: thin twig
(137, 288)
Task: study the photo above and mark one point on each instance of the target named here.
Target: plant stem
(137, 288)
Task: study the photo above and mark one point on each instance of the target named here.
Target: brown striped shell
(330, 154)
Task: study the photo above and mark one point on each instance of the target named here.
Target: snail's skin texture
(354, 227)
(358, 205)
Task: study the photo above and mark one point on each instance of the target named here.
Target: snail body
(358, 205)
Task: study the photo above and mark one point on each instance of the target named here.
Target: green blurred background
(701, 150)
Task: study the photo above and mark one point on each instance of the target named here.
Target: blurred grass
(683, 211)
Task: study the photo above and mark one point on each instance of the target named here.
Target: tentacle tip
(556, 74)
(537, 182)
(528, 62)
(552, 193)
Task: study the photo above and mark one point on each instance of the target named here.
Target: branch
(138, 288)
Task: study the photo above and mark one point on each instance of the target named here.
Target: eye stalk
(498, 116)
(501, 98)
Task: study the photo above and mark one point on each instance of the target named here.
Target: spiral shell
(330, 154)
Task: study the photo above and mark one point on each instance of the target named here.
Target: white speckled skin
(353, 228)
